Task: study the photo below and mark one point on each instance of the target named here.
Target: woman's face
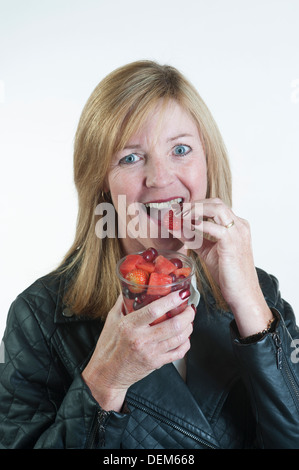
(161, 164)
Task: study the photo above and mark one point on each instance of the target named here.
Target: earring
(105, 195)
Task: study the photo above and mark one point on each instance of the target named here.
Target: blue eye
(182, 149)
(132, 158)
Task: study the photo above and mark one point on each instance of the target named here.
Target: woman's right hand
(128, 348)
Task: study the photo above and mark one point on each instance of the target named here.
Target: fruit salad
(149, 275)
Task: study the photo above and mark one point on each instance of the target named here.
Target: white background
(242, 55)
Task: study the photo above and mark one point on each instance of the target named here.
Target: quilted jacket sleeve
(38, 406)
(270, 368)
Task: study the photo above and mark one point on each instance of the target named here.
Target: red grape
(150, 254)
(177, 262)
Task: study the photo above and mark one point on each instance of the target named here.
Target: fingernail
(197, 221)
(176, 212)
(194, 308)
(184, 294)
(186, 212)
(176, 209)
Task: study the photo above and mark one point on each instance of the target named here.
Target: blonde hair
(115, 110)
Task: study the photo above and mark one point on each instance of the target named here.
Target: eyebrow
(171, 139)
(132, 146)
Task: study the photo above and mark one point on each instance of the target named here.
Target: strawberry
(129, 263)
(171, 222)
(139, 277)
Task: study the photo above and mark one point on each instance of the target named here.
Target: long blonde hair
(115, 110)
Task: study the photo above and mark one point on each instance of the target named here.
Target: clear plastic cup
(136, 296)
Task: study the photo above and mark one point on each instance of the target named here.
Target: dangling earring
(105, 195)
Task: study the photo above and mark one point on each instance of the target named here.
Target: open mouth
(154, 209)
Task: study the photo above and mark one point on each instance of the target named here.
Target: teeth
(163, 205)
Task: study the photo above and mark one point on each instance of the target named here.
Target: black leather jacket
(235, 395)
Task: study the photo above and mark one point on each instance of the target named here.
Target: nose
(158, 173)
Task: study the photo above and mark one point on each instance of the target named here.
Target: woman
(80, 374)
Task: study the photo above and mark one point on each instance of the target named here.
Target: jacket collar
(163, 392)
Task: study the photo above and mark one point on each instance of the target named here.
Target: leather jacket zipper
(277, 342)
(170, 423)
(283, 365)
(97, 438)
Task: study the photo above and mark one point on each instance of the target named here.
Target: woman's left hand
(227, 252)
